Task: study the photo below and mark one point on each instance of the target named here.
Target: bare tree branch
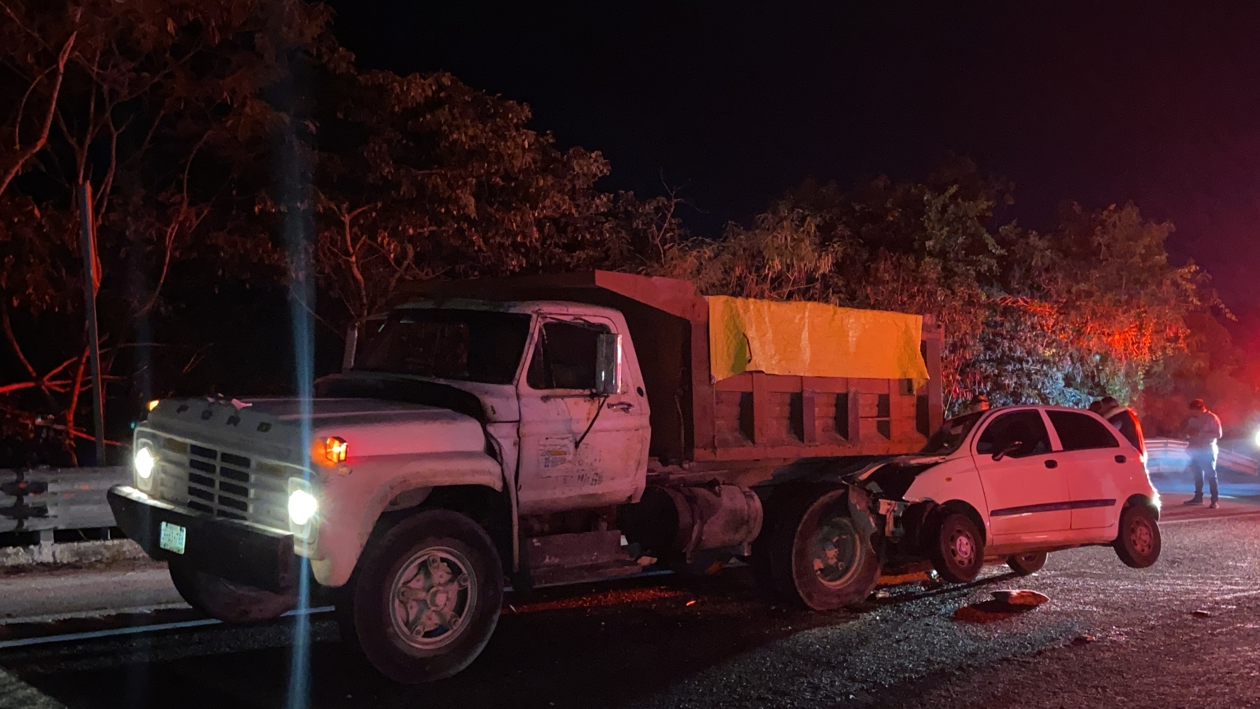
(24, 155)
(173, 228)
(8, 334)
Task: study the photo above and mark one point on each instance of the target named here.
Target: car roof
(1042, 407)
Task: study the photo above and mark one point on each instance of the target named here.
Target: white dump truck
(540, 431)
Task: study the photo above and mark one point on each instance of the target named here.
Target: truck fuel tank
(687, 519)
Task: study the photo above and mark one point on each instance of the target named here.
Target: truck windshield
(464, 345)
(951, 435)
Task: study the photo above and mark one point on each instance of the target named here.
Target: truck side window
(1025, 427)
(565, 356)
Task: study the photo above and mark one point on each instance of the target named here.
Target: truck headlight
(145, 462)
(302, 506)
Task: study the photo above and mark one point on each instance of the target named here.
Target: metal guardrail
(48, 499)
(1168, 455)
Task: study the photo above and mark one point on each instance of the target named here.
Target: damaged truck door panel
(556, 429)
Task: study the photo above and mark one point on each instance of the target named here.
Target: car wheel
(225, 600)
(426, 597)
(957, 549)
(1027, 564)
(812, 553)
(1139, 542)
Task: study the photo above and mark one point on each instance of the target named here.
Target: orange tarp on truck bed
(812, 340)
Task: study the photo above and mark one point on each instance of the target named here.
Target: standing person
(1203, 429)
(1123, 418)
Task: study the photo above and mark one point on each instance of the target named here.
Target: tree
(420, 177)
(160, 106)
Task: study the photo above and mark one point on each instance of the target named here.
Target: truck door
(578, 449)
(1025, 488)
(1094, 462)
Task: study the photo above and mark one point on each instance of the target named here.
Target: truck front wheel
(426, 597)
(814, 553)
(226, 600)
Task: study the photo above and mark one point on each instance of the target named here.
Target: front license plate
(172, 537)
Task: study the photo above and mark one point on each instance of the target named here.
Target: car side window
(1079, 432)
(565, 356)
(1023, 427)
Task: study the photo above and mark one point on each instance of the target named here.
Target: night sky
(1157, 103)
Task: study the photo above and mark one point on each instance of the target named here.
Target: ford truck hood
(273, 427)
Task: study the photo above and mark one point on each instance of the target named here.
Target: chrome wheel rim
(432, 598)
(834, 551)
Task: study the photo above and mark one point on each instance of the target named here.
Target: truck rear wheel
(812, 552)
(426, 597)
(225, 600)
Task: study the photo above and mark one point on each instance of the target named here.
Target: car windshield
(464, 345)
(950, 436)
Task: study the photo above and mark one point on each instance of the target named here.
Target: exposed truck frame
(417, 526)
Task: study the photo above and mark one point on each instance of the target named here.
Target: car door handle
(1121, 459)
(622, 406)
(1052, 463)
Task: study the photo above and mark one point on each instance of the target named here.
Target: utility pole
(91, 282)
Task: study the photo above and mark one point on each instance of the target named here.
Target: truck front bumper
(237, 551)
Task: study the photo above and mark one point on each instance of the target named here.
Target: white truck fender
(352, 502)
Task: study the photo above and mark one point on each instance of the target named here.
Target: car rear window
(1081, 432)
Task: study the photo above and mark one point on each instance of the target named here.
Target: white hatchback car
(1013, 484)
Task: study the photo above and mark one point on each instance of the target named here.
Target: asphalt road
(1109, 636)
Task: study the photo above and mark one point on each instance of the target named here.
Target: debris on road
(1021, 597)
(1200, 613)
(1005, 604)
(1083, 639)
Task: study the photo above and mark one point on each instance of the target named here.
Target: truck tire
(956, 547)
(225, 600)
(426, 597)
(1139, 543)
(813, 554)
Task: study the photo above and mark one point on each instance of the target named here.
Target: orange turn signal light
(153, 404)
(336, 449)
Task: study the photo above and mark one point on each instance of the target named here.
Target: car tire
(425, 598)
(225, 600)
(813, 554)
(1139, 543)
(1027, 564)
(956, 547)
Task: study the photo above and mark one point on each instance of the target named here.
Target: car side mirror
(608, 364)
(1012, 447)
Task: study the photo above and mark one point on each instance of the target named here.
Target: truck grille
(223, 483)
(218, 484)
